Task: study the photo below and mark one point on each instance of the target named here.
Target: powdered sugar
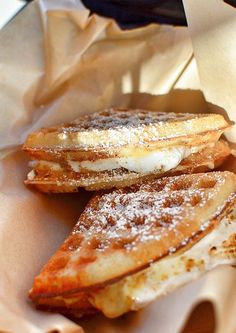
(145, 212)
(120, 127)
(110, 119)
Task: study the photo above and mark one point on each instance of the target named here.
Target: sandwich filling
(142, 162)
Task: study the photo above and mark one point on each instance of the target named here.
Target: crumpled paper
(57, 62)
(212, 26)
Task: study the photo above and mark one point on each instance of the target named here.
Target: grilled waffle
(116, 148)
(123, 236)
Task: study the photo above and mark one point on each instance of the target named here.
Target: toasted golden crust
(78, 304)
(137, 290)
(66, 180)
(123, 231)
(113, 133)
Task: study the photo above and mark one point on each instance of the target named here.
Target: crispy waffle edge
(215, 220)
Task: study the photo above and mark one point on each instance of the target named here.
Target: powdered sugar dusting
(119, 127)
(110, 119)
(115, 132)
(125, 217)
(123, 231)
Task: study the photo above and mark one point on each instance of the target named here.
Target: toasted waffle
(115, 148)
(124, 233)
(64, 179)
(77, 305)
(137, 290)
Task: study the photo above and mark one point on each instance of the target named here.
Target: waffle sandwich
(117, 148)
(134, 244)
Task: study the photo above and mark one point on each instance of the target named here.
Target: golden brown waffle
(66, 180)
(104, 133)
(137, 290)
(115, 148)
(122, 232)
(77, 305)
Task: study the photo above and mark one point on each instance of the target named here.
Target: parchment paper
(212, 25)
(57, 62)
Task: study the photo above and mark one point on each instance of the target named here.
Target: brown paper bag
(57, 62)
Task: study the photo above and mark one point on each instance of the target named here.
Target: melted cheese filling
(163, 159)
(136, 291)
(142, 162)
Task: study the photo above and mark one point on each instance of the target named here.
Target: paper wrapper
(57, 62)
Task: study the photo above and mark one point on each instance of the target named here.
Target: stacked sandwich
(159, 218)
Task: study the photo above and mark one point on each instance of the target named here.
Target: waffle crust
(124, 231)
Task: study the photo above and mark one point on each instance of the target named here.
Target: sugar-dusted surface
(110, 119)
(113, 129)
(122, 219)
(123, 231)
(133, 292)
(143, 212)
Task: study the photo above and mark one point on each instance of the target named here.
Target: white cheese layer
(163, 159)
(148, 162)
(136, 291)
(142, 162)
